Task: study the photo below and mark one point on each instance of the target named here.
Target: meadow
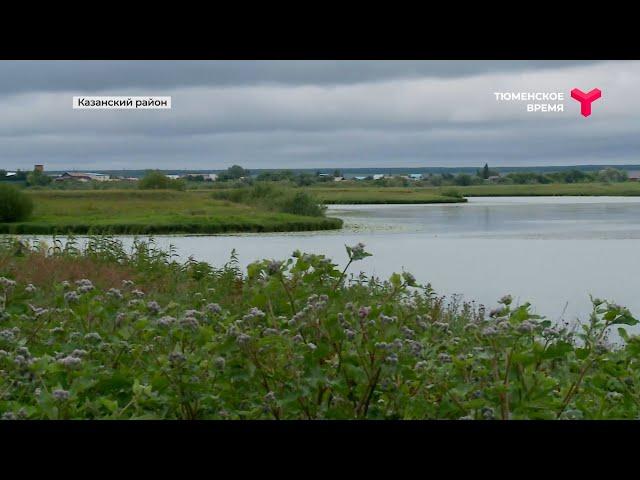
(101, 332)
(153, 212)
(365, 193)
(628, 189)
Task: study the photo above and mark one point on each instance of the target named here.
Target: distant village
(206, 177)
(75, 176)
(484, 175)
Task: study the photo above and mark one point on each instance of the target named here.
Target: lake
(551, 251)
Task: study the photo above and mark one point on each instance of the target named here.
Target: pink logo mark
(586, 99)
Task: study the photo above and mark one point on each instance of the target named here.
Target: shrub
(38, 179)
(14, 204)
(301, 203)
(233, 173)
(271, 196)
(451, 192)
(155, 180)
(463, 179)
(142, 336)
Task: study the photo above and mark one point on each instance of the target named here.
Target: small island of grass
(154, 212)
(358, 195)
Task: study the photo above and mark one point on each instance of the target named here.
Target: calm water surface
(551, 251)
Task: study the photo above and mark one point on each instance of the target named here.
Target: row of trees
(568, 176)
(461, 179)
(156, 179)
(609, 175)
(301, 179)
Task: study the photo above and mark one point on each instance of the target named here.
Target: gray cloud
(314, 114)
(95, 76)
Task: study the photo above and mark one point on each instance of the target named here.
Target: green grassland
(628, 189)
(199, 211)
(153, 212)
(374, 195)
(364, 194)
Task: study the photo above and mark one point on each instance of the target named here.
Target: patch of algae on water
(372, 227)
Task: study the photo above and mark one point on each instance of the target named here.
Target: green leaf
(557, 350)
(111, 405)
(623, 334)
(396, 280)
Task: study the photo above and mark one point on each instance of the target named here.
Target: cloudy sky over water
(308, 114)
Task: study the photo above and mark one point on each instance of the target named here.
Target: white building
(208, 177)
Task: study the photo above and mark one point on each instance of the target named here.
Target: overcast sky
(308, 114)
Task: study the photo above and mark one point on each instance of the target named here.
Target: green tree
(463, 179)
(435, 180)
(276, 176)
(612, 175)
(38, 179)
(233, 173)
(305, 179)
(486, 172)
(156, 180)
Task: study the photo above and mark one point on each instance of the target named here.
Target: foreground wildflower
(60, 395)
(300, 343)
(7, 283)
(70, 361)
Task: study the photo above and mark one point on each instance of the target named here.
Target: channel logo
(586, 99)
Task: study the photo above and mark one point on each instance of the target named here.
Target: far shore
(129, 211)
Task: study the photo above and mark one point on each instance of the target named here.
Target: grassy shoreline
(151, 212)
(362, 194)
(383, 195)
(136, 212)
(626, 189)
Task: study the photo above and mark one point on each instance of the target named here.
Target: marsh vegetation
(104, 332)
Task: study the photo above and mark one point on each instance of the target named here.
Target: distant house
(122, 179)
(208, 177)
(493, 178)
(323, 175)
(338, 179)
(634, 176)
(360, 178)
(82, 177)
(10, 174)
(415, 176)
(378, 176)
(173, 177)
